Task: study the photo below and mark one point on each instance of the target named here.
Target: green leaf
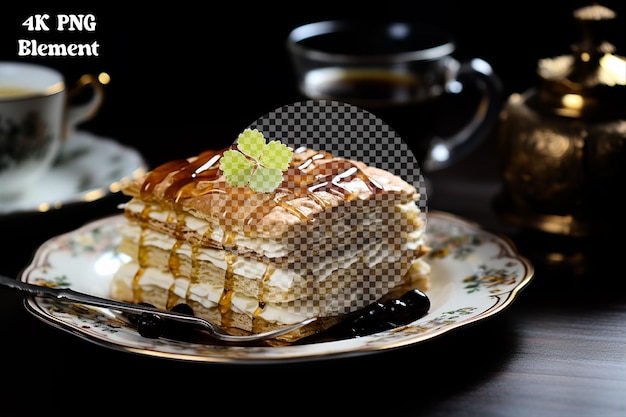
(236, 167)
(264, 180)
(276, 155)
(256, 163)
(251, 142)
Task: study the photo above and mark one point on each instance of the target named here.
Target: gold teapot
(562, 144)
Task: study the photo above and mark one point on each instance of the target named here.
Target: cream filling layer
(209, 295)
(268, 247)
(285, 278)
(249, 268)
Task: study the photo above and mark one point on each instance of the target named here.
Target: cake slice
(333, 236)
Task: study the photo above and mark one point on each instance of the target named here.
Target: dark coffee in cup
(397, 99)
(405, 75)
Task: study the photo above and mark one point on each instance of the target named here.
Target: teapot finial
(593, 20)
(589, 81)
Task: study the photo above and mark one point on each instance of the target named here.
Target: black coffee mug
(405, 74)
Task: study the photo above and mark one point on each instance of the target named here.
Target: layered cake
(265, 241)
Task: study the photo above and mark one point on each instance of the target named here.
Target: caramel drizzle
(142, 256)
(319, 172)
(184, 179)
(174, 261)
(194, 274)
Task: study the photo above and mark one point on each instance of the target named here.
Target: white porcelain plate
(88, 168)
(475, 274)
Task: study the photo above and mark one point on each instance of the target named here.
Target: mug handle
(443, 151)
(78, 113)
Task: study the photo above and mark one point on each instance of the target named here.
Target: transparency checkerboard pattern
(349, 132)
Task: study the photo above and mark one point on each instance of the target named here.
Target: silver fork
(71, 296)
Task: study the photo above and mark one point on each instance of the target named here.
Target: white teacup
(35, 118)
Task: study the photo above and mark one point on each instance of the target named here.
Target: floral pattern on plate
(475, 274)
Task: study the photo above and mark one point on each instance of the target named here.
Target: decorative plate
(475, 274)
(88, 168)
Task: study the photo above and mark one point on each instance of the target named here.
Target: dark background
(184, 77)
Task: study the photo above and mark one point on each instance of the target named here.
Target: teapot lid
(592, 80)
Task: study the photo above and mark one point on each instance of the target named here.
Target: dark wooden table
(558, 350)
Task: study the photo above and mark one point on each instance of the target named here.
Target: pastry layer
(368, 266)
(335, 236)
(317, 189)
(240, 311)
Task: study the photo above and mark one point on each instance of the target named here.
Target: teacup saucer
(89, 168)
